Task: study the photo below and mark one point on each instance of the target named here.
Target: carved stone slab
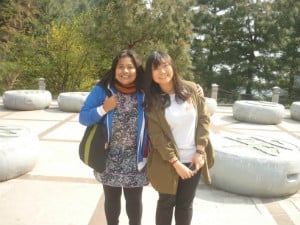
(256, 165)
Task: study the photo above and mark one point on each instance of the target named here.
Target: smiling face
(125, 71)
(163, 74)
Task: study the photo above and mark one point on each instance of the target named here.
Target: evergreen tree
(146, 26)
(237, 42)
(288, 22)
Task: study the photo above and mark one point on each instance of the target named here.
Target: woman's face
(163, 74)
(125, 71)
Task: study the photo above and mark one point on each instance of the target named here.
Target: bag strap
(108, 93)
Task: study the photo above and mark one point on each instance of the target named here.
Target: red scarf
(125, 89)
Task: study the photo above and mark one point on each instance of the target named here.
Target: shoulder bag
(94, 143)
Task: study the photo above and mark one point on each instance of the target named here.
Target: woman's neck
(168, 88)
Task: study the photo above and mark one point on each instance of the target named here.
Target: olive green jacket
(162, 175)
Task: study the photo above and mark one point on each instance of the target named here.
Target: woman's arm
(89, 113)
(203, 123)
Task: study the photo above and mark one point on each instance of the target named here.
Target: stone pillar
(275, 96)
(214, 91)
(42, 84)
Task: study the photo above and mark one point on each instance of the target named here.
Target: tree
(208, 47)
(57, 50)
(72, 67)
(238, 40)
(288, 22)
(145, 27)
(16, 20)
(73, 42)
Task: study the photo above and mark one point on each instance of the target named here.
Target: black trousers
(112, 204)
(182, 202)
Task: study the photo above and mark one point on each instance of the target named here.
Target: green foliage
(289, 47)
(238, 42)
(143, 27)
(73, 43)
(69, 59)
(16, 20)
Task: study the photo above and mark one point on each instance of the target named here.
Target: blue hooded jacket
(89, 116)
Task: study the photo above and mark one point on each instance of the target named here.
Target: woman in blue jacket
(126, 131)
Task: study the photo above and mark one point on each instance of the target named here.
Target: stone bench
(19, 149)
(71, 101)
(256, 166)
(27, 99)
(295, 110)
(260, 112)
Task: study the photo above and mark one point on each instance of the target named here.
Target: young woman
(125, 122)
(178, 126)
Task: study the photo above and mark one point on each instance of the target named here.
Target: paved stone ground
(61, 190)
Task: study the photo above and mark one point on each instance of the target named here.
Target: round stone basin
(71, 101)
(19, 149)
(260, 112)
(27, 99)
(295, 111)
(256, 166)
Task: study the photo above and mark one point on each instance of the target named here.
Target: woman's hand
(183, 171)
(200, 91)
(110, 103)
(198, 162)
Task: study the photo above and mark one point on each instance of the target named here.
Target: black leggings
(182, 202)
(112, 204)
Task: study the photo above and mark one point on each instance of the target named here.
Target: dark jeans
(182, 202)
(112, 204)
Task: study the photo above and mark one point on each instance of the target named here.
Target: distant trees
(243, 44)
(72, 44)
(288, 24)
(16, 22)
(248, 45)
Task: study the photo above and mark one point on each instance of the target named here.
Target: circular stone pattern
(260, 112)
(256, 166)
(27, 99)
(295, 110)
(71, 101)
(211, 104)
(19, 149)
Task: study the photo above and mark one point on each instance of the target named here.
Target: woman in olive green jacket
(178, 124)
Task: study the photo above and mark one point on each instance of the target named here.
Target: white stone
(295, 110)
(260, 112)
(19, 149)
(256, 166)
(71, 101)
(27, 99)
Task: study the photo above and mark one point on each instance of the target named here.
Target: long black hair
(109, 76)
(153, 90)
